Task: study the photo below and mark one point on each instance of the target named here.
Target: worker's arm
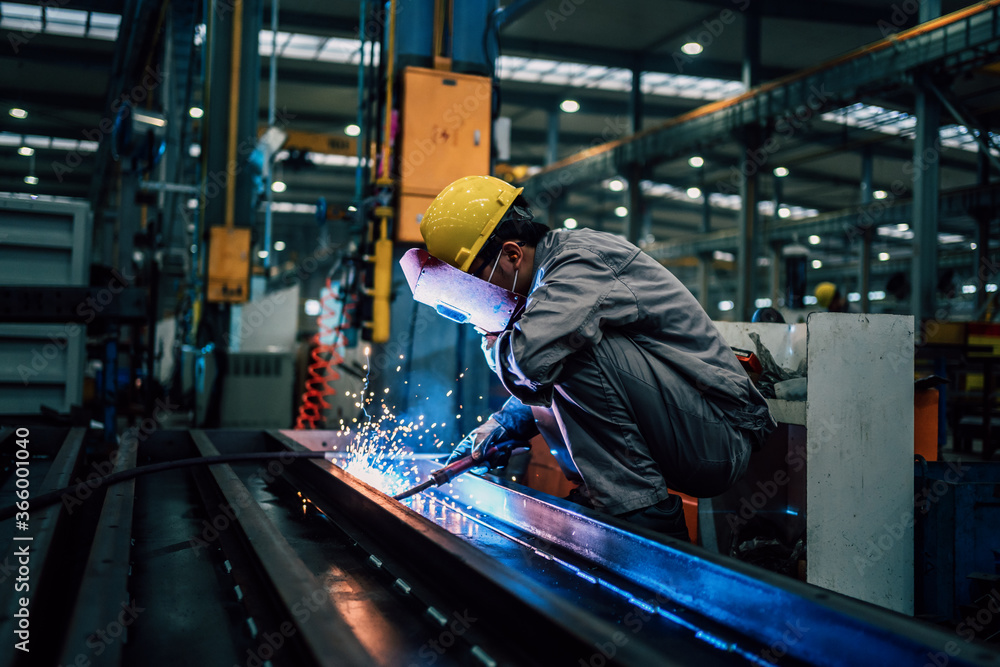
(577, 296)
(515, 423)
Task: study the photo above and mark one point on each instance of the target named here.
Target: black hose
(53, 497)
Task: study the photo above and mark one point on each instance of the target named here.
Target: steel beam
(850, 223)
(649, 62)
(557, 631)
(327, 635)
(104, 593)
(957, 41)
(719, 588)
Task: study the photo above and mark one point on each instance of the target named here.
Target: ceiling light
(192, 203)
(569, 106)
(279, 186)
(694, 193)
(817, 264)
(194, 150)
(570, 223)
(26, 151)
(902, 227)
(784, 212)
(814, 240)
(149, 119)
(262, 254)
(692, 48)
(352, 208)
(279, 245)
(973, 246)
(352, 130)
(621, 211)
(883, 257)
(780, 172)
(313, 307)
(616, 185)
(196, 112)
(696, 162)
(18, 113)
(880, 194)
(726, 305)
(31, 180)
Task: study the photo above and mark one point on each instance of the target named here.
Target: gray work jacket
(587, 282)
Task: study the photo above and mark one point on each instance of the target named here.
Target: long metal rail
(850, 224)
(296, 562)
(958, 41)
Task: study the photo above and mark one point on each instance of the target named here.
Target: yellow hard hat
(825, 293)
(461, 218)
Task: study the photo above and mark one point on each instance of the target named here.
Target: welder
(644, 391)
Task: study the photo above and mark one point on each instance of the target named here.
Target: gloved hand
(480, 439)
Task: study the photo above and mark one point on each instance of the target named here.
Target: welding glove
(479, 440)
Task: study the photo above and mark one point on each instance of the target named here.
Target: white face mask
(495, 268)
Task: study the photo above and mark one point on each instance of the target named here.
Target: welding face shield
(459, 296)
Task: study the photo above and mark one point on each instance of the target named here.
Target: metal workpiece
(326, 635)
(736, 611)
(290, 561)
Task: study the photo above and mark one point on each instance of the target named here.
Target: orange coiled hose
(325, 359)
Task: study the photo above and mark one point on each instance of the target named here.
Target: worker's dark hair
(518, 224)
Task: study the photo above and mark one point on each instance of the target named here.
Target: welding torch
(457, 467)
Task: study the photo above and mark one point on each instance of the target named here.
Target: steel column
(222, 174)
(636, 206)
(751, 47)
(925, 205)
(636, 225)
(983, 216)
(865, 260)
(272, 98)
(749, 187)
(552, 138)
(704, 272)
(635, 102)
(748, 228)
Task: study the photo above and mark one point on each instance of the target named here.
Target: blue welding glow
(583, 575)
(625, 594)
(676, 619)
(792, 511)
(714, 641)
(641, 604)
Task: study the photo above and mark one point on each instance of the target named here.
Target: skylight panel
(64, 144)
(21, 17)
(302, 47)
(65, 22)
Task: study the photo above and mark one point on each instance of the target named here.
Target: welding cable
(74, 491)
